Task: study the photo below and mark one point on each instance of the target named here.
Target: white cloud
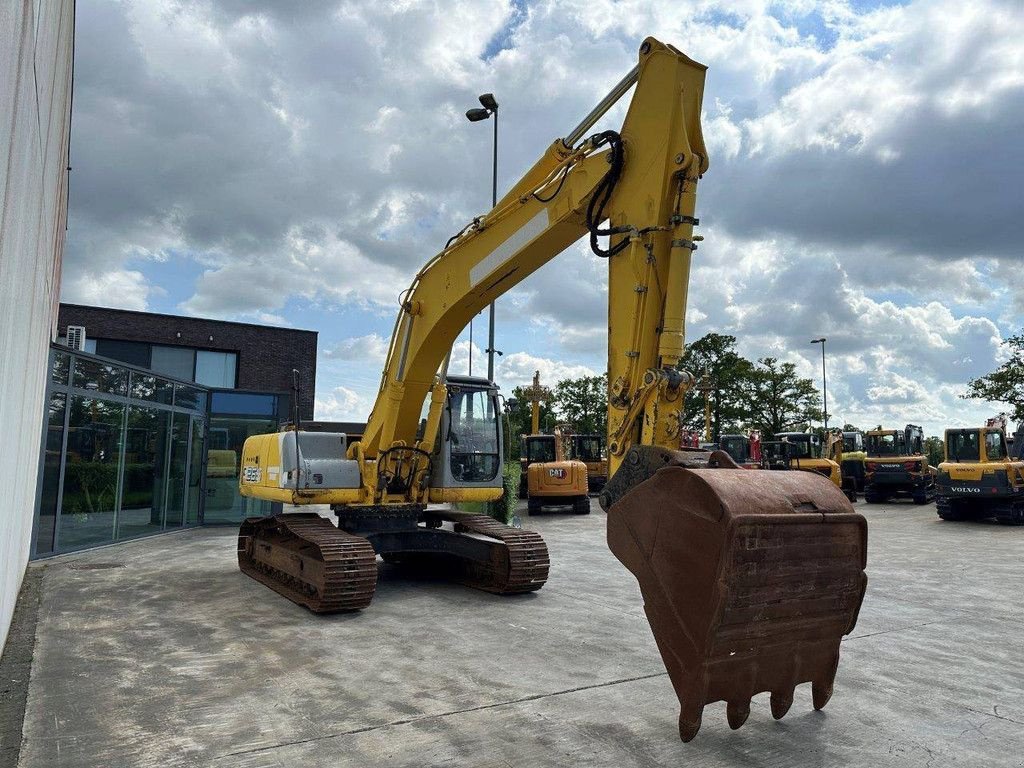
(342, 404)
(371, 348)
(122, 288)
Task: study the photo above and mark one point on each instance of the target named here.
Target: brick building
(213, 353)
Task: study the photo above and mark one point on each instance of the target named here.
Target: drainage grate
(94, 566)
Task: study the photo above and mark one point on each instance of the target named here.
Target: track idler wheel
(749, 579)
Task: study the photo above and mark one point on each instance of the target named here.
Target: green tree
(934, 450)
(1006, 383)
(583, 403)
(715, 354)
(780, 401)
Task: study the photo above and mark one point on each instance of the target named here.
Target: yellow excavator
(983, 475)
(749, 579)
(549, 476)
(553, 479)
(895, 466)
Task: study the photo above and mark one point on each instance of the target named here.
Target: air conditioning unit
(76, 337)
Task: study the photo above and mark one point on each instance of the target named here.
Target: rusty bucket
(749, 580)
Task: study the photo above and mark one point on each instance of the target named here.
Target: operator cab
(853, 442)
(803, 445)
(471, 433)
(965, 445)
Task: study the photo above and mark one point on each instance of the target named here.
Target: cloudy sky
(294, 163)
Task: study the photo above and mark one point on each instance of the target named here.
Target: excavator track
(305, 558)
(520, 566)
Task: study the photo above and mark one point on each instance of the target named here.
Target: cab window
(540, 450)
(995, 447)
(962, 445)
(588, 448)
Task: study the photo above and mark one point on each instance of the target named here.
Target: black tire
(921, 498)
(852, 496)
(534, 506)
(581, 506)
(872, 498)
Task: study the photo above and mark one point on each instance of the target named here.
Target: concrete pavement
(173, 658)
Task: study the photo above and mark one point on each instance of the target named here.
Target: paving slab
(160, 653)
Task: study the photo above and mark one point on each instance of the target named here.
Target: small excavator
(749, 579)
(895, 466)
(550, 475)
(983, 474)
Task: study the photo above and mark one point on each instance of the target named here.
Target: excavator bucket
(749, 580)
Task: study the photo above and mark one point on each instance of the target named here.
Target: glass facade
(122, 454)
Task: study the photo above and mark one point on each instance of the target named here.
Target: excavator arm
(642, 180)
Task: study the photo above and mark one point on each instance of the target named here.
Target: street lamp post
(824, 381)
(490, 107)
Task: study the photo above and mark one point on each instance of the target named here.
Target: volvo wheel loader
(749, 579)
(982, 475)
(895, 466)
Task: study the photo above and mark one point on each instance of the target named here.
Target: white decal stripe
(509, 248)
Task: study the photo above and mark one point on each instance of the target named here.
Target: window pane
(224, 504)
(189, 397)
(60, 368)
(176, 362)
(145, 472)
(473, 436)
(195, 472)
(143, 386)
(90, 473)
(215, 369)
(176, 470)
(241, 403)
(102, 377)
(90, 346)
(146, 387)
(134, 352)
(51, 474)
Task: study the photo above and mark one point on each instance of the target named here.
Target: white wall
(35, 119)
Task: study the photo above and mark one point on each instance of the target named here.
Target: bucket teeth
(688, 727)
(780, 703)
(737, 713)
(821, 693)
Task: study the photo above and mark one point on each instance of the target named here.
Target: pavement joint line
(441, 715)
(896, 629)
(995, 715)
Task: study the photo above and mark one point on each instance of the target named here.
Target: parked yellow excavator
(983, 474)
(749, 579)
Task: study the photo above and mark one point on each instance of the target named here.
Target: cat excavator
(749, 579)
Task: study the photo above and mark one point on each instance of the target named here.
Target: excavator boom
(749, 579)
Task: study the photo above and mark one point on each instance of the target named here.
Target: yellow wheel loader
(749, 579)
(981, 476)
(895, 466)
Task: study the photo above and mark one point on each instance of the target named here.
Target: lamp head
(476, 114)
(488, 101)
